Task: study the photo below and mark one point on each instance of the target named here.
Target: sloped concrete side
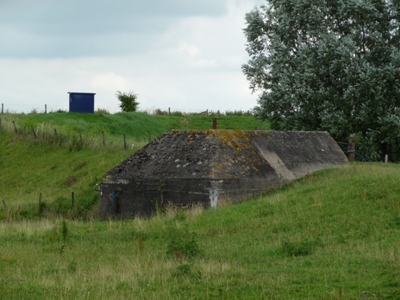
(295, 154)
(205, 167)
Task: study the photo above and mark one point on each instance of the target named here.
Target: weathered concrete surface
(188, 167)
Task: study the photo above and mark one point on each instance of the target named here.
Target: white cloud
(109, 81)
(187, 49)
(47, 28)
(189, 59)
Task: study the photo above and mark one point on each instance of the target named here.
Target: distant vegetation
(128, 101)
(329, 66)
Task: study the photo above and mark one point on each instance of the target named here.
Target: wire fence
(74, 140)
(7, 108)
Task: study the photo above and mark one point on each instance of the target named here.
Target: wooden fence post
(2, 108)
(15, 127)
(352, 147)
(45, 108)
(124, 141)
(386, 158)
(34, 133)
(72, 199)
(104, 141)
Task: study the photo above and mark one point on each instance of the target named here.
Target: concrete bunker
(207, 166)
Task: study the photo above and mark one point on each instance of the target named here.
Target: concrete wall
(135, 198)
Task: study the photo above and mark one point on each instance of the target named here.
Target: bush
(239, 113)
(102, 111)
(76, 144)
(182, 243)
(128, 101)
(301, 248)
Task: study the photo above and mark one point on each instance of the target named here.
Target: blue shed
(81, 102)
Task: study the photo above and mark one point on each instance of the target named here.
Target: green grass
(33, 168)
(138, 127)
(334, 234)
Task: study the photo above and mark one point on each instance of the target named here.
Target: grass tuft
(181, 243)
(305, 247)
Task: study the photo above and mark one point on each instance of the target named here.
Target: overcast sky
(182, 54)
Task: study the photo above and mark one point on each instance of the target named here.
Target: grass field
(334, 234)
(138, 128)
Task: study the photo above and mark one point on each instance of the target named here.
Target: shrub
(301, 248)
(128, 101)
(76, 144)
(181, 243)
(102, 111)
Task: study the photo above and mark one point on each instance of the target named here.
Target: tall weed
(181, 243)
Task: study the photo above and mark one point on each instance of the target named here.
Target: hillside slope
(331, 235)
(31, 170)
(51, 156)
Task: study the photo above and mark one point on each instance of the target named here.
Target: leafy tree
(128, 101)
(329, 65)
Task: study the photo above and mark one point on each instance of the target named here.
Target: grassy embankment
(56, 162)
(332, 235)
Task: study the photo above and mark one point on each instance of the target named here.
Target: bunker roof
(231, 154)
